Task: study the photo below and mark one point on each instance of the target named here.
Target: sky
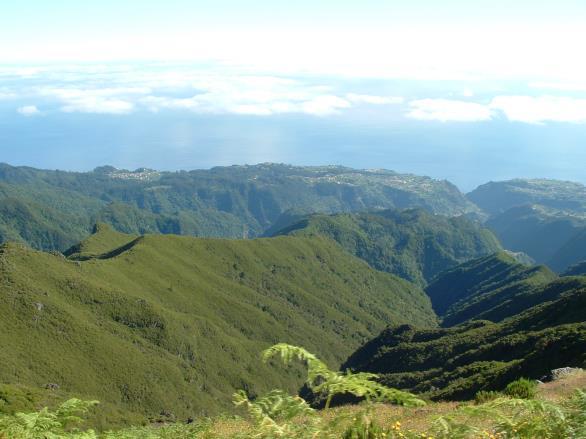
(469, 91)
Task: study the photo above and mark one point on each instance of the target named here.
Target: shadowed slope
(455, 363)
(491, 288)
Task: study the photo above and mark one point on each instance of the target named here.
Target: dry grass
(411, 418)
(563, 388)
(416, 419)
(227, 428)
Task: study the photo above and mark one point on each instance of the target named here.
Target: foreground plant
(279, 415)
(46, 424)
(517, 418)
(322, 380)
(274, 414)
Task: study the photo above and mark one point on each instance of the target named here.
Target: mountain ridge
(176, 323)
(410, 243)
(231, 202)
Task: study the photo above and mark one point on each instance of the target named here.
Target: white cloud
(541, 109)
(222, 89)
(250, 95)
(526, 109)
(96, 105)
(325, 105)
(28, 110)
(117, 100)
(373, 99)
(446, 110)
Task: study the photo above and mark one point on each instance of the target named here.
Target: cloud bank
(526, 109)
(541, 109)
(119, 90)
(219, 89)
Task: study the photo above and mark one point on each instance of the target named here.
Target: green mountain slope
(551, 237)
(175, 324)
(491, 288)
(572, 252)
(412, 243)
(497, 197)
(220, 202)
(455, 363)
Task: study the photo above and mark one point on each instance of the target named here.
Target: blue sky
(465, 90)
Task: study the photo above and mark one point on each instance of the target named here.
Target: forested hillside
(169, 324)
(551, 237)
(412, 243)
(457, 362)
(546, 219)
(492, 288)
(55, 209)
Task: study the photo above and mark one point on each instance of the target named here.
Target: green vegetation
(47, 424)
(53, 210)
(490, 288)
(457, 362)
(546, 219)
(170, 324)
(521, 389)
(548, 414)
(484, 396)
(163, 329)
(551, 237)
(412, 243)
(322, 380)
(497, 197)
(277, 414)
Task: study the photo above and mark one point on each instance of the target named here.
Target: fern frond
(48, 424)
(321, 379)
(273, 415)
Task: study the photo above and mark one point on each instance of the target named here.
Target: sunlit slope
(411, 243)
(175, 324)
(104, 243)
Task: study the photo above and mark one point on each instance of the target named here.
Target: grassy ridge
(412, 243)
(175, 324)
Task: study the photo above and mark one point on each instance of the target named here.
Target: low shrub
(483, 396)
(522, 389)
